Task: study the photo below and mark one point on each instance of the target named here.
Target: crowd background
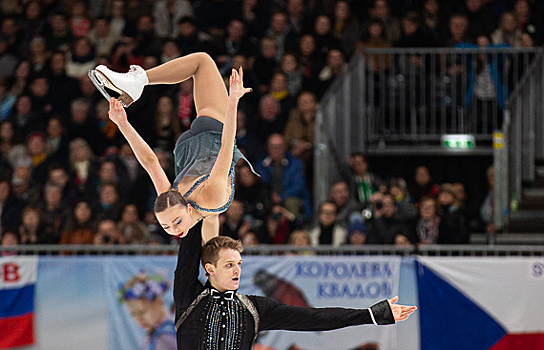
(67, 175)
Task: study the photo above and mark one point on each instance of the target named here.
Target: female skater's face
(176, 220)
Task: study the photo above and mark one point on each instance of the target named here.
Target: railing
(523, 136)
(391, 98)
(271, 250)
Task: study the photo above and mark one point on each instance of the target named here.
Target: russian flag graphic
(481, 303)
(17, 280)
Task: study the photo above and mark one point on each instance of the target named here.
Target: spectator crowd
(68, 176)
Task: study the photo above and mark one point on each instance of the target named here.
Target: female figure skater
(204, 155)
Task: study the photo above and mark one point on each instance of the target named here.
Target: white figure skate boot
(129, 85)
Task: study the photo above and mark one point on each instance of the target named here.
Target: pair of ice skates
(128, 85)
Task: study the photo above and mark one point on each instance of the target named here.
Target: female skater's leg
(210, 93)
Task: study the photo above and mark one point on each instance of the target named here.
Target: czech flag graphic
(17, 280)
(479, 303)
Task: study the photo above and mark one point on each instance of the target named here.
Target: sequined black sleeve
(186, 283)
(278, 316)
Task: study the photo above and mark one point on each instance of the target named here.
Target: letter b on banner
(10, 273)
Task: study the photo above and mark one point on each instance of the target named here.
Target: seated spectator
(57, 175)
(457, 32)
(328, 230)
(453, 225)
(267, 122)
(108, 233)
(167, 125)
(265, 63)
(481, 20)
(55, 213)
(235, 42)
(385, 226)
(32, 230)
(406, 210)
(300, 130)
(325, 41)
(23, 117)
(109, 131)
(235, 225)
(427, 226)
(78, 229)
(60, 35)
(10, 206)
(345, 203)
(285, 176)
(412, 33)
(81, 59)
(79, 18)
(300, 238)
(83, 167)
(254, 194)
(102, 36)
(279, 225)
(20, 181)
(170, 51)
(289, 65)
(310, 61)
(38, 55)
(278, 89)
(433, 20)
(357, 233)
(381, 11)
(82, 126)
(56, 142)
(335, 65)
(133, 230)
(345, 26)
(423, 185)
(7, 137)
(362, 183)
(167, 14)
(284, 35)
(10, 237)
(191, 39)
(110, 204)
(62, 89)
(374, 38)
(508, 31)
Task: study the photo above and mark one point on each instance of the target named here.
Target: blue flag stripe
(16, 301)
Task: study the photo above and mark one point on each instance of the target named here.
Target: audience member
(328, 230)
(427, 226)
(10, 238)
(357, 233)
(285, 176)
(423, 185)
(133, 230)
(78, 229)
(344, 201)
(385, 226)
(453, 225)
(362, 183)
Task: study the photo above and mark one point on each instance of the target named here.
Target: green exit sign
(458, 142)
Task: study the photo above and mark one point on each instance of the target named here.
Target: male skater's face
(225, 273)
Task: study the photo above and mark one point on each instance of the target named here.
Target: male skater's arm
(186, 283)
(278, 316)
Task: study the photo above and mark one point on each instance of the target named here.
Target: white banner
(18, 271)
(325, 281)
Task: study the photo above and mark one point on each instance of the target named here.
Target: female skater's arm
(145, 155)
(220, 171)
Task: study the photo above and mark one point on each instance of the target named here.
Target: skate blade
(100, 81)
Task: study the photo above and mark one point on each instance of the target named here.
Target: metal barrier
(523, 131)
(271, 250)
(393, 98)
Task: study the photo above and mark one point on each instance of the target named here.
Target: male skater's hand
(117, 112)
(400, 312)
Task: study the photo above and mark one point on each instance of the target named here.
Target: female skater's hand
(117, 112)
(237, 89)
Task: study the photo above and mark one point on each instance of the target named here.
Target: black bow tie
(227, 295)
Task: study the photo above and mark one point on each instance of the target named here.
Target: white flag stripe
(506, 288)
(18, 271)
